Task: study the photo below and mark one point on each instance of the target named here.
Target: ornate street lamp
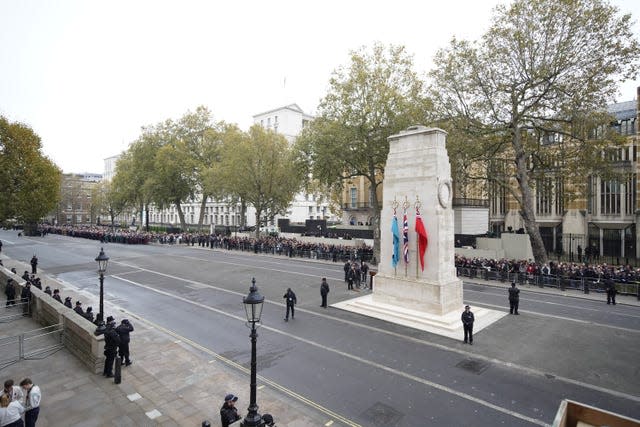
(253, 307)
(102, 260)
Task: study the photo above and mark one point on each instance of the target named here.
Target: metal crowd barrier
(35, 344)
(12, 312)
(583, 284)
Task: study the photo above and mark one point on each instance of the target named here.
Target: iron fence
(35, 344)
(581, 284)
(12, 312)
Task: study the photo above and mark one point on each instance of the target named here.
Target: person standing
(324, 291)
(467, 323)
(78, 308)
(514, 298)
(123, 330)
(10, 412)
(0, 246)
(611, 291)
(347, 268)
(291, 300)
(10, 291)
(13, 391)
(34, 264)
(228, 411)
(111, 343)
(25, 298)
(32, 402)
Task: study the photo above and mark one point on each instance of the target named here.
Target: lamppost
(253, 307)
(102, 260)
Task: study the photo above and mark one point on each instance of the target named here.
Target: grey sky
(87, 75)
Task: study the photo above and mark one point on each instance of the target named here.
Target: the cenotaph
(418, 177)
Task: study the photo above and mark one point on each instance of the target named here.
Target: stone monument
(418, 178)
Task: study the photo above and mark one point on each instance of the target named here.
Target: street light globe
(253, 303)
(102, 260)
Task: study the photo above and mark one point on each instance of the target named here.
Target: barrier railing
(583, 284)
(12, 312)
(35, 344)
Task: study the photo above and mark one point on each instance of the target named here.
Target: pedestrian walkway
(172, 382)
(570, 293)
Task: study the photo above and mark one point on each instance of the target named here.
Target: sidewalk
(569, 292)
(170, 383)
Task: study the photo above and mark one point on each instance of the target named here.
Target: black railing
(566, 282)
(357, 206)
(475, 203)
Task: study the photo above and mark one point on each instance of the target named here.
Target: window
(609, 197)
(498, 198)
(354, 197)
(630, 194)
(276, 120)
(310, 210)
(544, 196)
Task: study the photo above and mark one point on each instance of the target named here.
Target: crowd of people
(525, 271)
(275, 245)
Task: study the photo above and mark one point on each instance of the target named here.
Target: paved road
(368, 371)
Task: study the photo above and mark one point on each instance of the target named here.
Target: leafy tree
(105, 199)
(259, 167)
(29, 180)
(377, 95)
(544, 67)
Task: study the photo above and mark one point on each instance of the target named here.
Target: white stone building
(289, 122)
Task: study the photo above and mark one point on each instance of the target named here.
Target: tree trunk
(258, 214)
(203, 205)
(528, 214)
(183, 224)
(243, 212)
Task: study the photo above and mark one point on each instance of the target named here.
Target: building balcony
(360, 206)
(459, 202)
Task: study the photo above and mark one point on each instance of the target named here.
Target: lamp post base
(100, 329)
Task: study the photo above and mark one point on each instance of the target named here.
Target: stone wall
(77, 332)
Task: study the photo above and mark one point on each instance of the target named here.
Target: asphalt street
(366, 370)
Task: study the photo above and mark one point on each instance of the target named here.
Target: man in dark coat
(291, 300)
(467, 323)
(324, 291)
(514, 298)
(10, 291)
(34, 264)
(111, 343)
(346, 268)
(229, 412)
(123, 330)
(78, 308)
(611, 291)
(56, 295)
(25, 298)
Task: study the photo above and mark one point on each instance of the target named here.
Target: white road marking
(570, 319)
(563, 304)
(411, 339)
(356, 358)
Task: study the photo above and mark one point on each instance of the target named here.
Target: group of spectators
(524, 270)
(275, 245)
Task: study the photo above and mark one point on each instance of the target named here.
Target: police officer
(611, 291)
(467, 323)
(34, 264)
(123, 331)
(324, 291)
(514, 298)
(10, 291)
(111, 343)
(291, 300)
(228, 411)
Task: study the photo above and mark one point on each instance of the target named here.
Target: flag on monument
(405, 237)
(395, 231)
(422, 238)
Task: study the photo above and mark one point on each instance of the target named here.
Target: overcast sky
(86, 75)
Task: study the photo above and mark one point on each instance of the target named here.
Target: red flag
(422, 238)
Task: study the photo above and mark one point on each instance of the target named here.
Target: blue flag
(395, 231)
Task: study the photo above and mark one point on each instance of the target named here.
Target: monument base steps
(447, 325)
